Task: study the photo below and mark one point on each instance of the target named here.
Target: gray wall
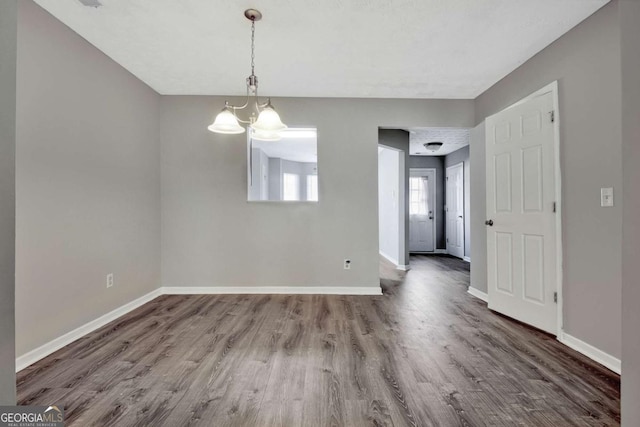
(630, 35)
(88, 196)
(462, 156)
(437, 163)
(8, 53)
(586, 62)
(211, 235)
(478, 209)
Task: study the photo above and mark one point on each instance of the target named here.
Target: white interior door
(455, 210)
(421, 210)
(521, 223)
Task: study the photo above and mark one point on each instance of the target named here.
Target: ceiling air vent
(433, 146)
(91, 3)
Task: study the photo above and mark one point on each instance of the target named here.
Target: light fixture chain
(253, 56)
(268, 121)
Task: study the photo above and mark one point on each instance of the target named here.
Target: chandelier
(268, 125)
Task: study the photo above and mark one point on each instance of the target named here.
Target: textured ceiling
(452, 138)
(328, 48)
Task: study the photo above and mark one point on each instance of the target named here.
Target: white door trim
(435, 200)
(553, 88)
(403, 212)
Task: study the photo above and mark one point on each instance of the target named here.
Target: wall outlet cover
(606, 197)
(109, 280)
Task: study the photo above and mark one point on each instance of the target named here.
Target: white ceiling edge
(414, 49)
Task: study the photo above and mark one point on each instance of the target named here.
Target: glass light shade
(269, 121)
(226, 122)
(261, 135)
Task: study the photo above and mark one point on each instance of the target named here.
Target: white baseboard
(389, 258)
(66, 339)
(478, 294)
(394, 262)
(44, 350)
(441, 251)
(578, 345)
(292, 290)
(466, 258)
(591, 352)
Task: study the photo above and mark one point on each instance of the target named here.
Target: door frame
(403, 209)
(446, 195)
(435, 203)
(553, 89)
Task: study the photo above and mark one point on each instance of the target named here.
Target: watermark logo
(31, 416)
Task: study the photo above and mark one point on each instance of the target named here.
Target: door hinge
(552, 115)
(554, 206)
(555, 297)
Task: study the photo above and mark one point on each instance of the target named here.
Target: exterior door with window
(421, 210)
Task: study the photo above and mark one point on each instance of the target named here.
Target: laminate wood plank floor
(426, 353)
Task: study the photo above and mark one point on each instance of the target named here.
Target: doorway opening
(446, 152)
(427, 153)
(391, 206)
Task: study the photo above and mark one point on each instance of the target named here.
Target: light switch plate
(606, 197)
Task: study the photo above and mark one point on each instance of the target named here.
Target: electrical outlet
(347, 264)
(109, 280)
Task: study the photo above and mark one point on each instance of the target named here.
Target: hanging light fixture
(268, 125)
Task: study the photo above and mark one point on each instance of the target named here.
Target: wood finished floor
(424, 353)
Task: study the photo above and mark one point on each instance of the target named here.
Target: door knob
(489, 222)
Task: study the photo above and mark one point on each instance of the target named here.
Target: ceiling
(328, 48)
(291, 147)
(453, 139)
